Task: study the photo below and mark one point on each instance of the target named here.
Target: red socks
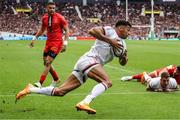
(137, 76)
(54, 75)
(42, 78)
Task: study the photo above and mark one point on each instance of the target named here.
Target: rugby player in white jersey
(90, 65)
(164, 83)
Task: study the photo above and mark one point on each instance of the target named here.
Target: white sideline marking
(90, 119)
(118, 68)
(93, 119)
(82, 94)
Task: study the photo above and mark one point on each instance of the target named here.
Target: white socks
(44, 90)
(97, 90)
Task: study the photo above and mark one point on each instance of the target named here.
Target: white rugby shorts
(83, 66)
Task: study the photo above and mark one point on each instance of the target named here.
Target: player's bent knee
(59, 93)
(48, 62)
(108, 83)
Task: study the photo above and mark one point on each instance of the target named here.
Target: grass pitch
(20, 65)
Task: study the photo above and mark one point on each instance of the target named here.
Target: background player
(164, 83)
(90, 65)
(55, 24)
(173, 70)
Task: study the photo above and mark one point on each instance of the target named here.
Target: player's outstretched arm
(172, 90)
(151, 89)
(39, 33)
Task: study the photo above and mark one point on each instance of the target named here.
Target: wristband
(65, 42)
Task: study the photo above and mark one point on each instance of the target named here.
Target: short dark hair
(165, 75)
(51, 3)
(123, 22)
(178, 68)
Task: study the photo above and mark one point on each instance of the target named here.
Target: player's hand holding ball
(123, 59)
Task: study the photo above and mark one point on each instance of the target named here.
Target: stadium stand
(167, 17)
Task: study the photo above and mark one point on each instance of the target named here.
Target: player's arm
(123, 59)
(66, 37)
(149, 88)
(172, 89)
(66, 34)
(99, 34)
(152, 89)
(39, 33)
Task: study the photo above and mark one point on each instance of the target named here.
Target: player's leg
(145, 78)
(153, 74)
(55, 76)
(53, 73)
(52, 70)
(47, 61)
(56, 79)
(128, 78)
(71, 83)
(49, 55)
(157, 72)
(98, 74)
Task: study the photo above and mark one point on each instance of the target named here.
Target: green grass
(20, 65)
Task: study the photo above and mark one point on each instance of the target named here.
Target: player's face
(123, 31)
(51, 9)
(164, 82)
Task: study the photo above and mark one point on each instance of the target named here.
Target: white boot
(126, 78)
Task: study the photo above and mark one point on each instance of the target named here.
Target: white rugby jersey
(102, 50)
(155, 83)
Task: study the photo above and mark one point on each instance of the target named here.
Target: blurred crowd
(90, 16)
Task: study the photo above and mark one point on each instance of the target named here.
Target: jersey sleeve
(172, 83)
(154, 83)
(108, 30)
(63, 21)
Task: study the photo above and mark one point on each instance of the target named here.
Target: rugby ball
(120, 51)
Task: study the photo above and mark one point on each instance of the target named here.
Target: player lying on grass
(164, 83)
(91, 65)
(173, 70)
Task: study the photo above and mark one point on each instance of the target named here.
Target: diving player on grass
(164, 83)
(173, 70)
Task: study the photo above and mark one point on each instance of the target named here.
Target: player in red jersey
(54, 23)
(173, 70)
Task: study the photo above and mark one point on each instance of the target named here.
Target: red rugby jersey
(55, 33)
